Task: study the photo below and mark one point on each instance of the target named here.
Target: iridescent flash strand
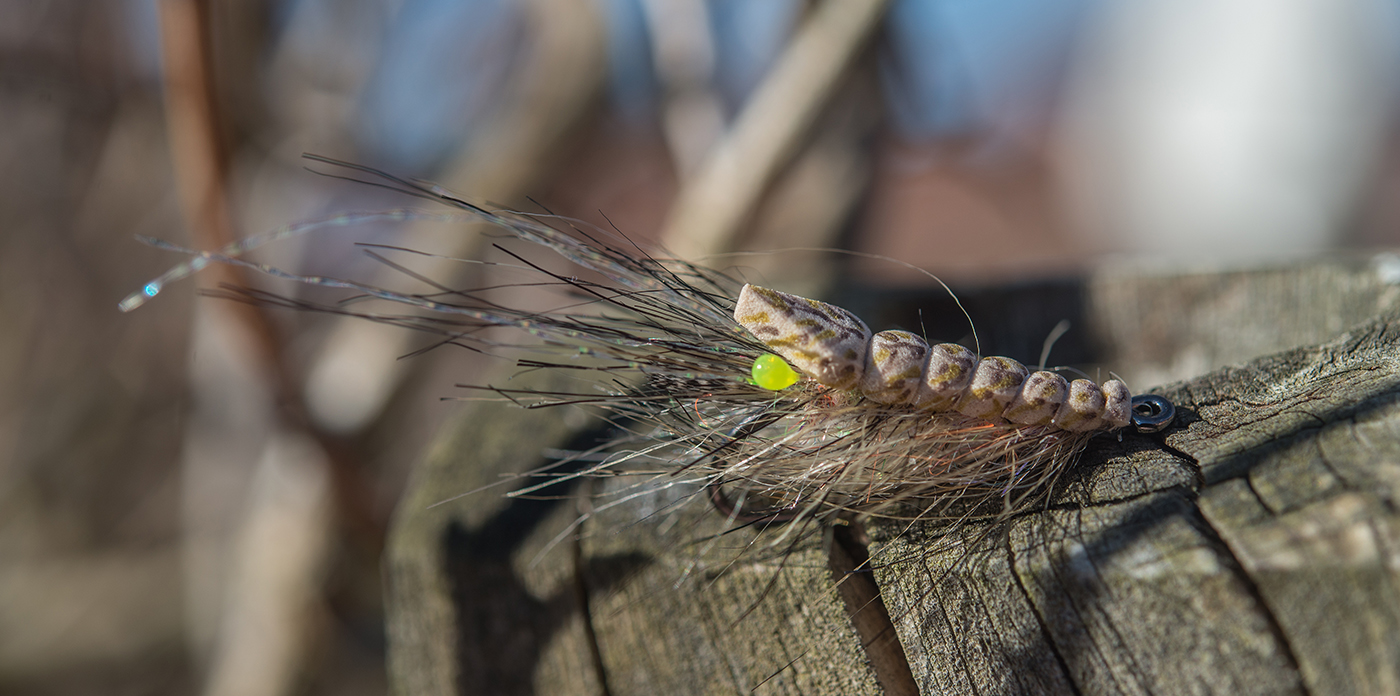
(200, 259)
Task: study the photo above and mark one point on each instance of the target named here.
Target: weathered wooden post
(1253, 548)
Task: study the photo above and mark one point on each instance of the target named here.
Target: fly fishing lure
(944, 426)
(790, 403)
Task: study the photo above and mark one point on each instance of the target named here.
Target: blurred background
(194, 496)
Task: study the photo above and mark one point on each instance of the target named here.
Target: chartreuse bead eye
(773, 373)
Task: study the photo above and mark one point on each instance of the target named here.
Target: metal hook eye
(1152, 413)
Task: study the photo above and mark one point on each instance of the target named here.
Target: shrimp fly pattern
(936, 424)
(787, 405)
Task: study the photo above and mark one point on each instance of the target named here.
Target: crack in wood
(582, 594)
(1237, 566)
(1039, 618)
(1090, 602)
(1249, 486)
(849, 560)
(1198, 478)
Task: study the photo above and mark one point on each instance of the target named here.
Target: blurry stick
(199, 158)
(713, 207)
(269, 624)
(201, 168)
(358, 370)
(263, 630)
(683, 51)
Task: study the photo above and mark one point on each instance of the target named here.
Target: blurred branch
(199, 155)
(714, 206)
(265, 632)
(551, 92)
(200, 161)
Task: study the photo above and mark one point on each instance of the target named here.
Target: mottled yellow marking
(995, 383)
(1118, 404)
(822, 341)
(1040, 399)
(897, 362)
(1083, 409)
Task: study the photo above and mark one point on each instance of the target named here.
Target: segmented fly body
(899, 368)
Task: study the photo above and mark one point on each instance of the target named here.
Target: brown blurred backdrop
(193, 496)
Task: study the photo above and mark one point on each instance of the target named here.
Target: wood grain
(1253, 548)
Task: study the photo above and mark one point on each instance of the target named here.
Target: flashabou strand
(199, 259)
(685, 360)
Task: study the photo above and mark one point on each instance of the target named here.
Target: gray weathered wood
(1300, 455)
(1252, 549)
(486, 594)
(700, 613)
(464, 616)
(1257, 554)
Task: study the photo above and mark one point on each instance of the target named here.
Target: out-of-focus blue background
(987, 141)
